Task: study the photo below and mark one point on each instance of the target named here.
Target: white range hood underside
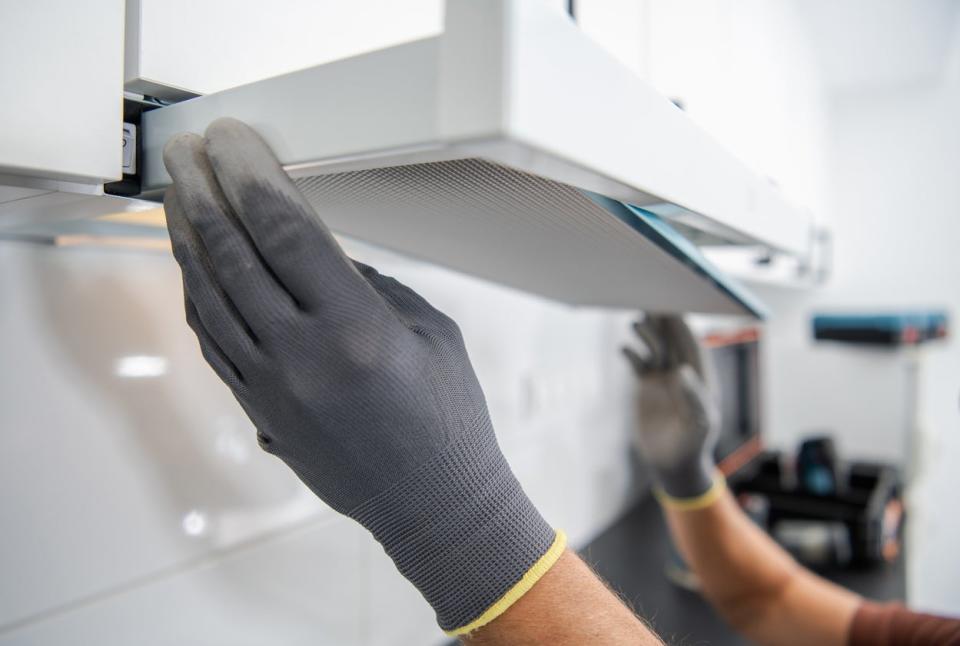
(486, 149)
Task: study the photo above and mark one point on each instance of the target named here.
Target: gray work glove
(678, 418)
(351, 378)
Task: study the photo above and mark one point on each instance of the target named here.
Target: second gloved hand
(361, 387)
(678, 418)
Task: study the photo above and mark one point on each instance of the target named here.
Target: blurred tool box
(825, 512)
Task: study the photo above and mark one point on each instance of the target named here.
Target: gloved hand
(678, 418)
(351, 378)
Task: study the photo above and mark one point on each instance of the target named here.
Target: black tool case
(861, 500)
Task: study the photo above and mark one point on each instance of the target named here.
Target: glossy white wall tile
(133, 496)
(125, 456)
(301, 588)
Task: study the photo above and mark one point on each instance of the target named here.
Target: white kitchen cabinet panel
(61, 70)
(175, 48)
(745, 71)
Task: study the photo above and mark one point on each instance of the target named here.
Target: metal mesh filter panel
(513, 228)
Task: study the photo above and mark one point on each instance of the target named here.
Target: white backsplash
(136, 507)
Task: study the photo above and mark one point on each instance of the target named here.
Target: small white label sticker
(129, 149)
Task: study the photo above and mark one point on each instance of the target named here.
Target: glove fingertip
(223, 127)
(180, 150)
(229, 140)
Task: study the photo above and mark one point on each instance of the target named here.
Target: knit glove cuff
(686, 480)
(688, 498)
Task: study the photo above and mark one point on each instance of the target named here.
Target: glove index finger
(289, 235)
(640, 365)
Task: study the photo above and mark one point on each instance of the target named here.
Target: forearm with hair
(568, 606)
(754, 583)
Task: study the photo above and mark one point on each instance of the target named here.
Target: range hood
(510, 147)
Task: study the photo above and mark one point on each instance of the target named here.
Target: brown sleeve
(890, 624)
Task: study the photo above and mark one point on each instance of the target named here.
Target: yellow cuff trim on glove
(702, 501)
(520, 588)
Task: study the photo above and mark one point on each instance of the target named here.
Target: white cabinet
(175, 48)
(61, 70)
(744, 70)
